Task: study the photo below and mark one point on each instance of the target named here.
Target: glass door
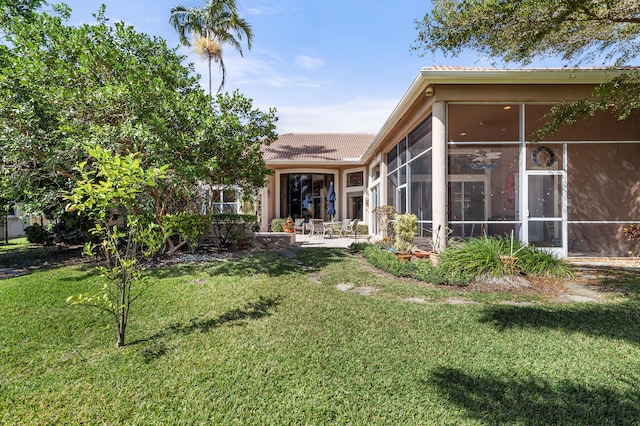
(467, 207)
(545, 218)
(374, 202)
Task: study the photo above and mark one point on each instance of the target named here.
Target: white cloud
(354, 116)
(257, 68)
(262, 11)
(308, 62)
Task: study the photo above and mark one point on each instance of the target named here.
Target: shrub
(384, 217)
(72, 228)
(537, 262)
(37, 234)
(277, 225)
(380, 257)
(231, 227)
(497, 257)
(460, 264)
(358, 247)
(362, 229)
(406, 227)
(190, 228)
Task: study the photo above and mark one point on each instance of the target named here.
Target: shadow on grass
(315, 258)
(39, 256)
(508, 400)
(155, 347)
(616, 280)
(612, 320)
(271, 263)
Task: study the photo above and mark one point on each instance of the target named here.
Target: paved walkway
(319, 241)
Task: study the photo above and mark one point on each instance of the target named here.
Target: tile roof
(313, 147)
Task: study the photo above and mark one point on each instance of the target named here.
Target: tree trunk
(209, 76)
(122, 312)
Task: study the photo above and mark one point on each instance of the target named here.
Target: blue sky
(326, 66)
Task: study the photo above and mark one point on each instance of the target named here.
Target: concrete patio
(279, 239)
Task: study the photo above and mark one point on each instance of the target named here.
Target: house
(12, 224)
(457, 152)
(304, 167)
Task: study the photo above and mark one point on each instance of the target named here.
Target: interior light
(507, 107)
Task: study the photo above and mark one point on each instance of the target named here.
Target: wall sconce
(429, 90)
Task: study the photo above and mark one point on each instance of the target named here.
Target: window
(355, 179)
(602, 126)
(409, 173)
(375, 172)
(483, 189)
(483, 122)
(224, 200)
(304, 195)
(355, 205)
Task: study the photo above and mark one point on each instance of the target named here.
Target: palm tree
(208, 28)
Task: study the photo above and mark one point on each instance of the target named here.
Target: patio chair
(316, 227)
(350, 228)
(300, 224)
(344, 226)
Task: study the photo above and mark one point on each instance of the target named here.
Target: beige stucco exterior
(477, 160)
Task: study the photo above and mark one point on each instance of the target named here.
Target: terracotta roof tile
(318, 147)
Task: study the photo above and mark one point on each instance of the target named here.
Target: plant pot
(403, 257)
(421, 253)
(243, 244)
(289, 231)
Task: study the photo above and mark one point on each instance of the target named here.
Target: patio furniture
(301, 225)
(350, 228)
(316, 227)
(331, 228)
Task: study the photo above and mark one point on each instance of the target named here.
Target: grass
(268, 339)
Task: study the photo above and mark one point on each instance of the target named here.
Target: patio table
(331, 227)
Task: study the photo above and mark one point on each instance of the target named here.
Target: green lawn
(268, 339)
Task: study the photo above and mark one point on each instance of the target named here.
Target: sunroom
(458, 153)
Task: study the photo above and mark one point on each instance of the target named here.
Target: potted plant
(242, 239)
(289, 226)
(406, 228)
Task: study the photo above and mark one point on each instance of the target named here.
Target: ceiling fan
(481, 159)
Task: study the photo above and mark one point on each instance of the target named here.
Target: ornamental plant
(289, 225)
(384, 218)
(406, 228)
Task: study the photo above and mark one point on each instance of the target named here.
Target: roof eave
(321, 163)
(428, 76)
(418, 86)
(518, 76)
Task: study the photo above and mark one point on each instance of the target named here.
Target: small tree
(406, 227)
(384, 218)
(114, 183)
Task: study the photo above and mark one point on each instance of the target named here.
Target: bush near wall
(37, 234)
(277, 225)
(462, 263)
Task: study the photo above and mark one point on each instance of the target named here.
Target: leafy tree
(17, 9)
(519, 31)
(208, 28)
(115, 183)
(64, 87)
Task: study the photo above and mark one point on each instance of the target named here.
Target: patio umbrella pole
(331, 198)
